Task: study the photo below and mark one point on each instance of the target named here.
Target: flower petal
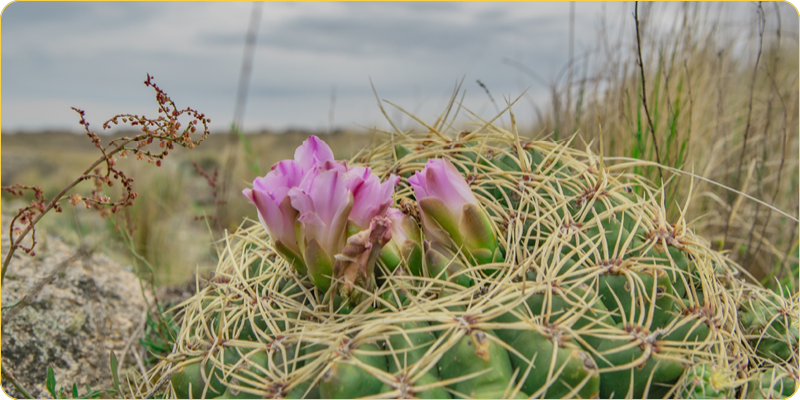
(278, 219)
(371, 197)
(419, 184)
(439, 223)
(444, 182)
(328, 192)
(313, 152)
(301, 201)
(291, 172)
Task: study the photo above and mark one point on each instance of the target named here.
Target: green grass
(698, 99)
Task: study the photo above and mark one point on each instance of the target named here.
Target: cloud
(99, 53)
(401, 30)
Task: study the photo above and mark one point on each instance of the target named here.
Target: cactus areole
(473, 265)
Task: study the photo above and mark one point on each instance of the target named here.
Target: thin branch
(166, 128)
(644, 88)
(486, 89)
(8, 375)
(783, 159)
(761, 23)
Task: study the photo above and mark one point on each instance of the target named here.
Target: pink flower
(371, 197)
(324, 205)
(307, 205)
(450, 212)
(270, 196)
(441, 183)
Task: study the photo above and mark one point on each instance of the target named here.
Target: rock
(78, 308)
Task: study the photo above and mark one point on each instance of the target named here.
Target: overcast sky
(95, 55)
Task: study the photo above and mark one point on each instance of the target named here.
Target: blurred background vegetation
(722, 100)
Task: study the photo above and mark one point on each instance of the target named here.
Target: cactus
(536, 273)
(706, 381)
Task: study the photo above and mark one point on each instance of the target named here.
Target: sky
(312, 65)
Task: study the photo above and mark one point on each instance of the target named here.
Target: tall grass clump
(712, 94)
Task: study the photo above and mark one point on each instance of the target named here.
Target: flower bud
(405, 244)
(451, 214)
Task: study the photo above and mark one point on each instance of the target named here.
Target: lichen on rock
(79, 306)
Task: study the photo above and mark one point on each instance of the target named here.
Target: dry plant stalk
(166, 129)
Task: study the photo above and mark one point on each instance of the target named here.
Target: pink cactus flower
(324, 204)
(371, 197)
(270, 196)
(307, 204)
(451, 215)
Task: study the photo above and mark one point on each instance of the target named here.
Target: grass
(723, 98)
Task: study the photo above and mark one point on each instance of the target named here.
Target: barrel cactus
(473, 264)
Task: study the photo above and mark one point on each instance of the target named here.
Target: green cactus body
(545, 164)
(254, 327)
(772, 383)
(651, 377)
(188, 379)
(200, 371)
(558, 283)
(408, 347)
(415, 390)
(346, 380)
(632, 292)
(249, 373)
(442, 263)
(217, 376)
(604, 248)
(567, 369)
(566, 304)
(771, 326)
(704, 381)
(676, 262)
(409, 256)
(402, 153)
(777, 350)
(476, 352)
(304, 390)
(508, 335)
(689, 329)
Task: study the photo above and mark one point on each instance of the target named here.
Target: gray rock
(75, 308)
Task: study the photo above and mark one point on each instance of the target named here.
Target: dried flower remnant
(405, 246)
